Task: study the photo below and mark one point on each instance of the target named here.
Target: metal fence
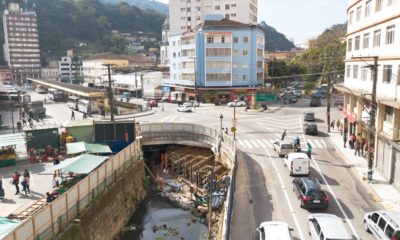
(56, 216)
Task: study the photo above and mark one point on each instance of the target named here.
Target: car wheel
(366, 228)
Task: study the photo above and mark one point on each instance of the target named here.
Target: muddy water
(158, 219)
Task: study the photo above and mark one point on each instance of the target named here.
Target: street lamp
(234, 120)
(221, 117)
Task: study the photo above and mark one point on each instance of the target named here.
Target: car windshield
(287, 146)
(312, 127)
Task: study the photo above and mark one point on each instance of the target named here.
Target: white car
(184, 108)
(237, 104)
(322, 226)
(283, 147)
(274, 230)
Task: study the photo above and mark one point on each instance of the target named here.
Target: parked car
(274, 230)
(283, 147)
(315, 102)
(237, 104)
(298, 164)
(327, 226)
(309, 116)
(384, 225)
(150, 103)
(191, 103)
(308, 190)
(184, 108)
(310, 128)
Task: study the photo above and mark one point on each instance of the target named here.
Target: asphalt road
(264, 187)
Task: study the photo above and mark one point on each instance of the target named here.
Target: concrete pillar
(379, 118)
(360, 108)
(396, 124)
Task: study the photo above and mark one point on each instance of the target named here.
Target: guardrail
(55, 216)
(188, 134)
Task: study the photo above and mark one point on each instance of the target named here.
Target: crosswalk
(50, 122)
(263, 143)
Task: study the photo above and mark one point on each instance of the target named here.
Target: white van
(298, 164)
(324, 226)
(384, 225)
(274, 230)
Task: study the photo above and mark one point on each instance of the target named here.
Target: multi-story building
(5, 74)
(373, 31)
(186, 15)
(21, 42)
(220, 55)
(70, 69)
(164, 53)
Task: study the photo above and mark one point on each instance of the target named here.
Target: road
(264, 187)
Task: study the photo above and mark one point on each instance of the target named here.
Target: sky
(301, 20)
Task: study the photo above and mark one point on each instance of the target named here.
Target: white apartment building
(374, 31)
(70, 70)
(164, 53)
(185, 15)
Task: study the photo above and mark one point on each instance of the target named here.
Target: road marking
(247, 143)
(318, 145)
(269, 144)
(241, 142)
(254, 143)
(260, 142)
(286, 195)
(324, 144)
(301, 123)
(334, 197)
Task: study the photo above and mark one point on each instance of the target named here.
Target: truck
(178, 97)
(152, 94)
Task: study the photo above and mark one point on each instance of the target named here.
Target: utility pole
(371, 129)
(110, 92)
(328, 105)
(19, 95)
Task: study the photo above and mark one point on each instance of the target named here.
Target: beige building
(371, 32)
(186, 15)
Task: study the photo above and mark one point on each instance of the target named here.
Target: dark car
(310, 128)
(309, 192)
(315, 102)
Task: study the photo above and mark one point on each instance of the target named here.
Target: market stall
(83, 147)
(7, 148)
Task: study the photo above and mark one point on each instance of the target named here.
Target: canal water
(159, 219)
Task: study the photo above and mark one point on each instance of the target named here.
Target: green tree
(119, 45)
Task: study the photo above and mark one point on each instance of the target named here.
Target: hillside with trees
(67, 24)
(144, 4)
(275, 41)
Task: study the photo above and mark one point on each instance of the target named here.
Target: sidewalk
(382, 191)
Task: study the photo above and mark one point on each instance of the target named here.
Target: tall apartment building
(21, 42)
(374, 31)
(221, 57)
(185, 15)
(70, 70)
(164, 53)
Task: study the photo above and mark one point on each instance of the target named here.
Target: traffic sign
(266, 97)
(233, 129)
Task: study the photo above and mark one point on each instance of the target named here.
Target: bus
(73, 102)
(87, 106)
(55, 94)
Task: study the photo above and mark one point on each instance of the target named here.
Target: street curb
(371, 192)
(127, 117)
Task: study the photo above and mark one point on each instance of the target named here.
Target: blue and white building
(220, 54)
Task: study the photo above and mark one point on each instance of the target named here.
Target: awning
(85, 164)
(79, 123)
(80, 147)
(7, 225)
(12, 139)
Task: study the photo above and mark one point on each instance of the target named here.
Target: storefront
(383, 159)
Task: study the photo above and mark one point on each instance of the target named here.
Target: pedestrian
(333, 125)
(338, 124)
(283, 135)
(72, 115)
(24, 122)
(353, 140)
(84, 116)
(344, 140)
(357, 145)
(362, 146)
(162, 107)
(309, 150)
(49, 197)
(25, 185)
(30, 113)
(30, 121)
(226, 131)
(26, 173)
(15, 181)
(55, 183)
(103, 112)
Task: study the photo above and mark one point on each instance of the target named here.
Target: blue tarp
(7, 225)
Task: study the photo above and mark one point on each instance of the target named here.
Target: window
(235, 53)
(390, 30)
(245, 65)
(364, 73)
(357, 43)
(245, 53)
(174, 55)
(366, 40)
(387, 73)
(235, 39)
(217, 7)
(351, 17)
(226, 6)
(382, 222)
(218, 76)
(259, 64)
(245, 78)
(316, 226)
(388, 117)
(210, 39)
(389, 231)
(368, 8)
(375, 217)
(218, 52)
(358, 14)
(349, 44)
(348, 71)
(355, 71)
(259, 52)
(378, 5)
(377, 38)
(245, 39)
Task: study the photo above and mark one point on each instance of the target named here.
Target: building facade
(70, 70)
(164, 53)
(21, 43)
(186, 15)
(50, 73)
(220, 54)
(373, 31)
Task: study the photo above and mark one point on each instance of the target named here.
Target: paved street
(264, 188)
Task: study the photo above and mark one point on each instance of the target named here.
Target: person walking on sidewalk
(283, 135)
(352, 140)
(162, 107)
(15, 181)
(362, 146)
(72, 115)
(338, 124)
(344, 140)
(333, 125)
(357, 146)
(309, 150)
